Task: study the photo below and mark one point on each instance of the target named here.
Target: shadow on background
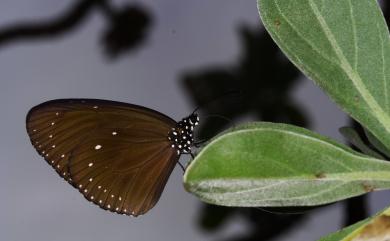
(126, 26)
(266, 79)
(263, 75)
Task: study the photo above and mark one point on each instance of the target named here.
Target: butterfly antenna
(219, 98)
(200, 142)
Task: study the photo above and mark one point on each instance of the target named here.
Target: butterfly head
(181, 136)
(193, 119)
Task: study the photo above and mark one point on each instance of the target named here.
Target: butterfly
(118, 155)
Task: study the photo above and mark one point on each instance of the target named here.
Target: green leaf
(344, 46)
(373, 228)
(352, 136)
(269, 164)
(376, 143)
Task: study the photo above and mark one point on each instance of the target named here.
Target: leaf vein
(383, 68)
(354, 36)
(294, 28)
(382, 117)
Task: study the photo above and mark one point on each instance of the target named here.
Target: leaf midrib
(342, 176)
(382, 116)
(297, 197)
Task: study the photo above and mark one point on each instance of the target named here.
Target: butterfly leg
(181, 165)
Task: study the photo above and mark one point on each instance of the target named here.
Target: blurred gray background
(184, 36)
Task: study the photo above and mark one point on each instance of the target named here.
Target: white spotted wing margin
(116, 154)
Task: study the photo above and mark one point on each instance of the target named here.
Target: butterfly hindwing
(130, 183)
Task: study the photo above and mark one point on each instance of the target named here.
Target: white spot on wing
(97, 147)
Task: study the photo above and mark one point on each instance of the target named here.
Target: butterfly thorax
(181, 136)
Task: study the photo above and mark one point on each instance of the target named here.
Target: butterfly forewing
(116, 154)
(55, 130)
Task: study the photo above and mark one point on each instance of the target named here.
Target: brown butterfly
(118, 155)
